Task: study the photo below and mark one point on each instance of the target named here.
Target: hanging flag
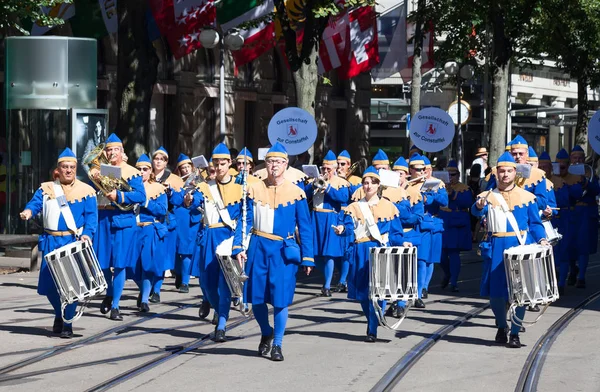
(427, 62)
(181, 23)
(258, 39)
(61, 10)
(392, 43)
(109, 14)
(334, 43)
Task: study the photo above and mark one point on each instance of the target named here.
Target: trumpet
(423, 177)
(352, 169)
(320, 183)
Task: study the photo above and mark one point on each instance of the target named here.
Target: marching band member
(173, 188)
(401, 167)
(246, 156)
(221, 201)
(523, 206)
(456, 236)
(70, 214)
(532, 158)
(585, 222)
(150, 249)
(381, 160)
(326, 206)
(117, 229)
(372, 222)
(343, 170)
(433, 201)
(188, 223)
(276, 207)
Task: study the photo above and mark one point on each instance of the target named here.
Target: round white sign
(293, 127)
(594, 132)
(432, 129)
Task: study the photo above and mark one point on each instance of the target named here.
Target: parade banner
(431, 129)
(594, 132)
(293, 127)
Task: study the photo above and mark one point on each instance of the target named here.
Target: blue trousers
(220, 299)
(261, 313)
(451, 265)
(116, 283)
(54, 300)
(182, 268)
(369, 311)
(498, 305)
(145, 286)
(424, 274)
(326, 264)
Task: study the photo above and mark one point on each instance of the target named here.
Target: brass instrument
(106, 184)
(320, 183)
(523, 173)
(352, 169)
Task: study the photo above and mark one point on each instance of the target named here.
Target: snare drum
(76, 274)
(393, 277)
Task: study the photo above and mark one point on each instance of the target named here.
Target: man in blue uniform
(276, 208)
(70, 213)
(117, 229)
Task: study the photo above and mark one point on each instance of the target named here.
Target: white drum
(76, 273)
(393, 277)
(530, 276)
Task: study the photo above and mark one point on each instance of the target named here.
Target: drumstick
(554, 208)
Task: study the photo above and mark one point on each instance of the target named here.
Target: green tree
(14, 12)
(568, 32)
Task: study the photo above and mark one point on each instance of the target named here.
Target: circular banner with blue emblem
(293, 127)
(431, 129)
(594, 132)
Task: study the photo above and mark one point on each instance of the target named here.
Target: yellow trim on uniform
(216, 225)
(323, 210)
(59, 233)
(507, 233)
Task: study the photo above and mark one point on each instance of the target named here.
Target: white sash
(221, 208)
(510, 216)
(65, 209)
(371, 224)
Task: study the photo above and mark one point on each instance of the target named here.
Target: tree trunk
(583, 106)
(136, 75)
(415, 92)
(356, 133)
(306, 80)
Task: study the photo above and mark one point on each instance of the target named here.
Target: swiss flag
(349, 43)
(181, 21)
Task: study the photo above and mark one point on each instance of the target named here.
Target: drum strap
(510, 216)
(370, 222)
(65, 209)
(221, 208)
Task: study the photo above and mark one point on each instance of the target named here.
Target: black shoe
(580, 284)
(154, 298)
(215, 319)
(144, 307)
(454, 289)
(522, 329)
(445, 282)
(265, 345)
(220, 336)
(514, 341)
(106, 305)
(276, 354)
(371, 338)
(139, 301)
(204, 309)
(419, 304)
(424, 294)
(184, 288)
(501, 336)
(325, 292)
(115, 315)
(178, 281)
(389, 312)
(398, 312)
(342, 288)
(572, 278)
(561, 290)
(67, 332)
(235, 302)
(57, 327)
(533, 308)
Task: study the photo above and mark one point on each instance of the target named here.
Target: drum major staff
(275, 208)
(69, 212)
(523, 206)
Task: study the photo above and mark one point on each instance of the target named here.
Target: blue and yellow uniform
(457, 227)
(150, 247)
(355, 181)
(274, 213)
(81, 199)
(116, 235)
(502, 236)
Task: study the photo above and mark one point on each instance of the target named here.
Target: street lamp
(209, 38)
(462, 72)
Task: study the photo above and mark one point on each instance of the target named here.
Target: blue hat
(143, 161)
(330, 158)
(67, 155)
(577, 150)
(426, 161)
(113, 141)
(380, 158)
(245, 153)
(532, 155)
(413, 149)
(221, 152)
(416, 160)
(506, 159)
(518, 142)
(562, 156)
(182, 159)
(371, 172)
(344, 156)
(161, 150)
(277, 151)
(452, 167)
(401, 164)
(545, 157)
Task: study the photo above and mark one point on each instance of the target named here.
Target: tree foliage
(14, 12)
